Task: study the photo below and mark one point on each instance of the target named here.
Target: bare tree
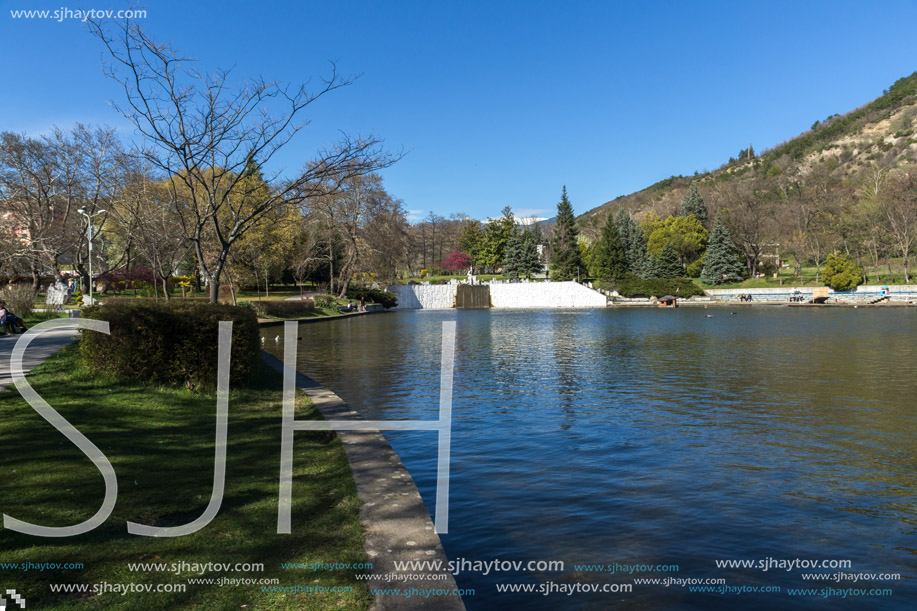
(44, 182)
(144, 214)
(748, 212)
(201, 131)
(899, 207)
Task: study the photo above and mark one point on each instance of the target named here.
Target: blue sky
(501, 103)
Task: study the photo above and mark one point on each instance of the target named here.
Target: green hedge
(284, 309)
(171, 343)
(657, 287)
(388, 300)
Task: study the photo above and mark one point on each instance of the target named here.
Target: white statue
(58, 294)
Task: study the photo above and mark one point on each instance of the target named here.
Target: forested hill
(846, 149)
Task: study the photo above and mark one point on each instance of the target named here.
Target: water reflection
(653, 437)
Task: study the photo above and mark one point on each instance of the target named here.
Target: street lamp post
(89, 217)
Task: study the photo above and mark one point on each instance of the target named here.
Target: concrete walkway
(49, 342)
(396, 524)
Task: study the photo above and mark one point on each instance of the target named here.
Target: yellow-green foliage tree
(841, 273)
(267, 248)
(685, 234)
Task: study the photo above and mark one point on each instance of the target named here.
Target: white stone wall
(424, 296)
(502, 295)
(545, 295)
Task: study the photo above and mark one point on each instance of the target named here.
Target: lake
(654, 437)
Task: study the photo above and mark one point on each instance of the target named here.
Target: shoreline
(381, 478)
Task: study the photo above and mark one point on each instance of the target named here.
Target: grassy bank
(160, 442)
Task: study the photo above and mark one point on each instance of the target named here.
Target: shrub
(284, 309)
(695, 268)
(841, 273)
(388, 300)
(139, 299)
(18, 298)
(171, 343)
(323, 301)
(657, 287)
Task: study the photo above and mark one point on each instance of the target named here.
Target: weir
(469, 296)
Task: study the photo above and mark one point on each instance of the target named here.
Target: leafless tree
(43, 182)
(149, 223)
(747, 210)
(200, 131)
(899, 207)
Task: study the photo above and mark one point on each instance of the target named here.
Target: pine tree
(650, 267)
(608, 257)
(566, 262)
(693, 203)
(634, 242)
(668, 263)
(497, 233)
(720, 261)
(512, 256)
(530, 260)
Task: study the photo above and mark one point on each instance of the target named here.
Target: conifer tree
(668, 263)
(720, 261)
(634, 242)
(530, 260)
(521, 258)
(608, 257)
(650, 267)
(566, 262)
(512, 256)
(693, 203)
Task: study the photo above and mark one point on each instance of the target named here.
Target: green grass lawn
(160, 442)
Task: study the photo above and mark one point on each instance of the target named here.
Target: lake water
(655, 437)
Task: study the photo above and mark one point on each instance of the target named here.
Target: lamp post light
(89, 217)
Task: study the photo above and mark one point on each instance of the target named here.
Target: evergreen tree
(521, 258)
(512, 256)
(693, 203)
(608, 257)
(634, 241)
(842, 273)
(530, 260)
(566, 262)
(668, 263)
(720, 262)
(471, 242)
(650, 267)
(497, 233)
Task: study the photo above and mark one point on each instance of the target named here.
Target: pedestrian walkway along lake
(654, 437)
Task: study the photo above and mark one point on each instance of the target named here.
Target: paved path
(49, 342)
(396, 524)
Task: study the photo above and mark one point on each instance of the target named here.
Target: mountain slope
(878, 134)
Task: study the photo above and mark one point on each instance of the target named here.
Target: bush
(18, 298)
(323, 301)
(284, 309)
(841, 273)
(139, 299)
(388, 300)
(657, 287)
(171, 343)
(695, 268)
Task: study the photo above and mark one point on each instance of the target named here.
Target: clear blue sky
(501, 103)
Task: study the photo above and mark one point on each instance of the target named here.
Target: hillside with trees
(848, 185)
